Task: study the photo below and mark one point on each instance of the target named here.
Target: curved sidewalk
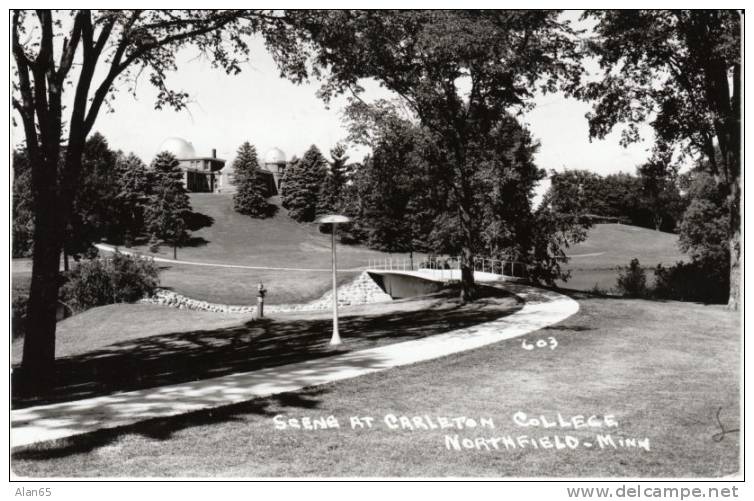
(48, 422)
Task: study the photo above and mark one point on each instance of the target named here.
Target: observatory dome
(180, 148)
(274, 156)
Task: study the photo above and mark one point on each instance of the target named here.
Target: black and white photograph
(366, 244)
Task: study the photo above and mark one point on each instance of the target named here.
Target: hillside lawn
(609, 247)
(667, 371)
(228, 237)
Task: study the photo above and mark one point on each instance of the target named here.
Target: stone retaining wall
(362, 290)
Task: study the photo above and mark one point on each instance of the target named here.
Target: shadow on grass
(164, 428)
(196, 355)
(572, 328)
(194, 242)
(196, 221)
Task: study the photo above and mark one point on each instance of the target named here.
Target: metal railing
(480, 264)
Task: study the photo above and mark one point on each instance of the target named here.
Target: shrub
(695, 281)
(119, 279)
(632, 281)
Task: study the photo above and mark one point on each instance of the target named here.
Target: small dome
(274, 156)
(180, 148)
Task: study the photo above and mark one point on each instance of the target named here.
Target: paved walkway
(36, 424)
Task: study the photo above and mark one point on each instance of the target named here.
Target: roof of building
(274, 156)
(180, 148)
(212, 159)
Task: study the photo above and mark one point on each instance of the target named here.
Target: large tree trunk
(39, 341)
(468, 287)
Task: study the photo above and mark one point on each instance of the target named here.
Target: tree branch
(26, 106)
(69, 50)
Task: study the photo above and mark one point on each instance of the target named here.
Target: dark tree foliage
(351, 205)
(660, 193)
(23, 216)
(577, 192)
(95, 217)
(621, 195)
(302, 183)
(330, 198)
(511, 228)
(169, 204)
(680, 70)
(392, 183)
(703, 228)
(650, 200)
(133, 193)
(250, 196)
(430, 58)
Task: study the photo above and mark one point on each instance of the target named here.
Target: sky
(259, 106)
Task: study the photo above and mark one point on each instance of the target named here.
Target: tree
(168, 203)
(702, 231)
(56, 53)
(577, 192)
(302, 183)
(390, 185)
(660, 194)
(330, 197)
(622, 197)
(459, 72)
(133, 192)
(95, 216)
(250, 196)
(680, 71)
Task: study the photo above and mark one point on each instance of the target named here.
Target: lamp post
(334, 220)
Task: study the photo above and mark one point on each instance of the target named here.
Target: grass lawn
(665, 370)
(239, 286)
(611, 246)
(128, 347)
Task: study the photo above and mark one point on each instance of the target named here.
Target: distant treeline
(652, 199)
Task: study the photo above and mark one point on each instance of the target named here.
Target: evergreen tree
(250, 197)
(133, 192)
(302, 184)
(246, 163)
(288, 176)
(168, 204)
(330, 197)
